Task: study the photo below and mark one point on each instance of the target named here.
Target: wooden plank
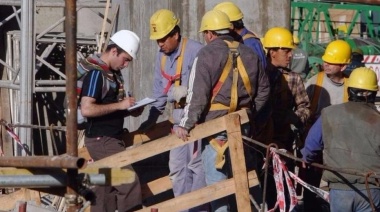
(83, 153)
(113, 21)
(8, 201)
(239, 169)
(6, 139)
(156, 187)
(202, 196)
(100, 45)
(137, 137)
(164, 144)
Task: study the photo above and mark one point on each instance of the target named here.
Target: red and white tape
(15, 137)
(279, 171)
(321, 193)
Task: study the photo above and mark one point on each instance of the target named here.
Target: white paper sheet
(141, 103)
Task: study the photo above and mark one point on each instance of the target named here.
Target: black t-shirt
(108, 125)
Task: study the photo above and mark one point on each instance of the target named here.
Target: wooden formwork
(144, 147)
(237, 185)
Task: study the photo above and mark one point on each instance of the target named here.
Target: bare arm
(90, 108)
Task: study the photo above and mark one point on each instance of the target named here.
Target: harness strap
(235, 63)
(249, 35)
(177, 77)
(220, 158)
(317, 91)
(345, 92)
(318, 88)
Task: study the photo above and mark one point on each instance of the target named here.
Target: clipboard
(142, 103)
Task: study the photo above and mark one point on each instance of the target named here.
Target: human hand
(181, 133)
(127, 103)
(176, 93)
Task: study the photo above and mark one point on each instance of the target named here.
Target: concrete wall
(260, 15)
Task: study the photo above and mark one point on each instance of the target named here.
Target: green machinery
(316, 23)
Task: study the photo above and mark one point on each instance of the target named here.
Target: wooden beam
(239, 169)
(155, 187)
(202, 196)
(8, 201)
(132, 155)
(138, 137)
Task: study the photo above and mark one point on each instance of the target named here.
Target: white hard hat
(128, 41)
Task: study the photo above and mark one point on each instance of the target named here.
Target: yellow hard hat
(215, 20)
(296, 40)
(233, 11)
(278, 37)
(337, 52)
(162, 23)
(363, 78)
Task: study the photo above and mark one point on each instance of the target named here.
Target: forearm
(96, 110)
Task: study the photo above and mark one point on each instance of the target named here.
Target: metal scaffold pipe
(55, 3)
(71, 195)
(65, 161)
(41, 181)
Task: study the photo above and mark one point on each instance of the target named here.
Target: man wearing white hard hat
(104, 103)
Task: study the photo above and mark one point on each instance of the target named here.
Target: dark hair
(361, 95)
(239, 24)
(175, 30)
(113, 45)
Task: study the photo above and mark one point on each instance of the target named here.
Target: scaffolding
(34, 74)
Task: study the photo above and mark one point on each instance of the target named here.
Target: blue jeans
(213, 176)
(350, 200)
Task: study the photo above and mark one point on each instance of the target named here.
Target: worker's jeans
(213, 176)
(350, 200)
(186, 170)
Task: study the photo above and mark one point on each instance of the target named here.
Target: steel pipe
(71, 119)
(41, 181)
(67, 162)
(54, 3)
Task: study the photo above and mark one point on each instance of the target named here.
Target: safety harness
(177, 77)
(250, 35)
(317, 91)
(235, 64)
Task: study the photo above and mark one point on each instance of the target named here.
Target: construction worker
(349, 137)
(249, 38)
(210, 91)
(104, 103)
(300, 62)
(171, 75)
(328, 87)
(288, 106)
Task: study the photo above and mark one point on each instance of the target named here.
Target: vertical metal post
(71, 120)
(27, 70)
